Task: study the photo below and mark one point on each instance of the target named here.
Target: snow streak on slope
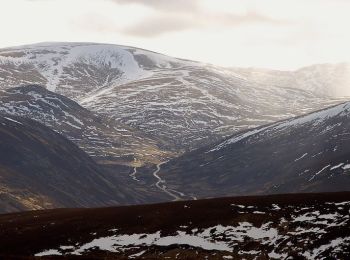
(312, 120)
(105, 140)
(186, 104)
(75, 69)
(193, 105)
(309, 153)
(276, 231)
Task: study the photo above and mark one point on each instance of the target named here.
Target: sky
(279, 34)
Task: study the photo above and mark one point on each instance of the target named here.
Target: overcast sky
(282, 34)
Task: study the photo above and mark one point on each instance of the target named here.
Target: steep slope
(105, 140)
(306, 154)
(192, 106)
(332, 80)
(40, 169)
(300, 226)
(187, 104)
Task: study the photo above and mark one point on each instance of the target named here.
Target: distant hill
(327, 79)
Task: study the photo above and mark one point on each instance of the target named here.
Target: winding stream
(160, 184)
(133, 174)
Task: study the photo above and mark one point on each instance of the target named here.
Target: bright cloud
(272, 33)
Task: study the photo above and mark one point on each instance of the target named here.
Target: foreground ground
(302, 226)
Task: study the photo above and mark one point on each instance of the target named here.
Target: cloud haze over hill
(274, 34)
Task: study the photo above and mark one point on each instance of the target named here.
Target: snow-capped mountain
(76, 69)
(105, 140)
(194, 105)
(331, 80)
(310, 153)
(185, 104)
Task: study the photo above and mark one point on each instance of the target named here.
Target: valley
(160, 123)
(110, 151)
(174, 129)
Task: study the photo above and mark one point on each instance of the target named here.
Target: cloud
(164, 5)
(162, 24)
(163, 17)
(159, 25)
(181, 15)
(249, 17)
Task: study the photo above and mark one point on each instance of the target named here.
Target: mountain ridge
(184, 103)
(103, 139)
(307, 153)
(41, 169)
(330, 79)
